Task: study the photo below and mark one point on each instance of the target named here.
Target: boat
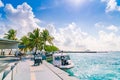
(62, 60)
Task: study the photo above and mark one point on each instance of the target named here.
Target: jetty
(25, 70)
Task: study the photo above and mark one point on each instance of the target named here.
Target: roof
(8, 41)
(8, 44)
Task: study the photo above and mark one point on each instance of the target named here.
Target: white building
(6, 45)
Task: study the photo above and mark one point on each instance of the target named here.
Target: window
(57, 58)
(67, 57)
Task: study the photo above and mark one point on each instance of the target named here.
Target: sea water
(95, 66)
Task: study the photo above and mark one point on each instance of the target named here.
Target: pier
(25, 70)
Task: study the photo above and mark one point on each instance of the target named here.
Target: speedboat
(62, 60)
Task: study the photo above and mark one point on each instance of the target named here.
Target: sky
(75, 24)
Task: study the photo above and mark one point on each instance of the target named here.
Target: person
(37, 58)
(65, 61)
(20, 55)
(62, 60)
(3, 52)
(16, 53)
(43, 54)
(40, 55)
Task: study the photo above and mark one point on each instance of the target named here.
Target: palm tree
(24, 41)
(46, 37)
(35, 39)
(11, 34)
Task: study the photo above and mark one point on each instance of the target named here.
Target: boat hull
(66, 66)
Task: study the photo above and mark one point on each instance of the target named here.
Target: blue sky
(63, 12)
(95, 20)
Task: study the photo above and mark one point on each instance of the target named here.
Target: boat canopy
(60, 54)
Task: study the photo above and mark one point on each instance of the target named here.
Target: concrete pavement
(42, 72)
(25, 70)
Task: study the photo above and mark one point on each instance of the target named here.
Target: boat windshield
(67, 57)
(57, 58)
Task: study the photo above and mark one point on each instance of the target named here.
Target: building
(6, 44)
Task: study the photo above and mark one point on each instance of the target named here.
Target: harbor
(60, 40)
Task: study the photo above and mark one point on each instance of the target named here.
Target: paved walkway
(45, 71)
(23, 71)
(42, 73)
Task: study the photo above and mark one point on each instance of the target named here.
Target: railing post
(12, 67)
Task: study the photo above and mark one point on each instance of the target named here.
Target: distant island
(85, 51)
(88, 51)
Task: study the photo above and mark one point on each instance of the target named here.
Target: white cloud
(3, 29)
(111, 5)
(103, 26)
(99, 24)
(69, 37)
(21, 18)
(51, 29)
(72, 38)
(109, 41)
(1, 4)
(112, 28)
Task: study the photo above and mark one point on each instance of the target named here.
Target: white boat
(62, 60)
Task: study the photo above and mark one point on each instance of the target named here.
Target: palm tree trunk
(44, 45)
(10, 52)
(36, 50)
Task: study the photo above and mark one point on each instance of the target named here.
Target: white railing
(9, 73)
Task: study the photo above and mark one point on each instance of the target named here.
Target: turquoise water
(95, 66)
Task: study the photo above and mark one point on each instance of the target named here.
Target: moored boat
(62, 60)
